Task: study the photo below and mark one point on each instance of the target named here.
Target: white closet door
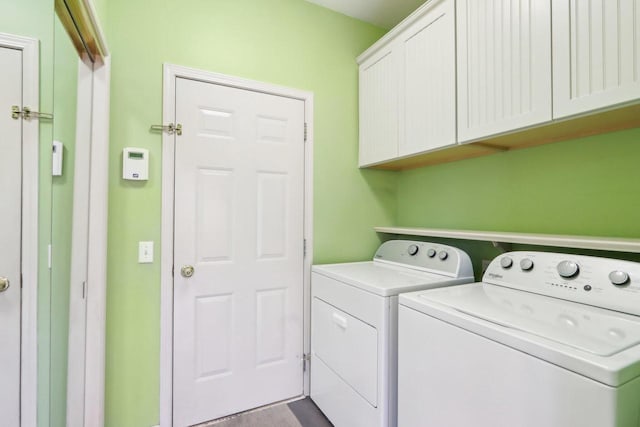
(10, 230)
(504, 66)
(428, 95)
(379, 107)
(596, 54)
(239, 212)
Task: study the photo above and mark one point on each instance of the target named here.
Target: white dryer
(354, 326)
(546, 340)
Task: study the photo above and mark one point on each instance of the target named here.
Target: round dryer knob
(526, 264)
(506, 262)
(443, 255)
(619, 278)
(413, 249)
(431, 253)
(568, 269)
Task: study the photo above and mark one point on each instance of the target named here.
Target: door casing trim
(29, 268)
(170, 73)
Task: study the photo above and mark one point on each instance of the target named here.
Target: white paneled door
(239, 194)
(10, 232)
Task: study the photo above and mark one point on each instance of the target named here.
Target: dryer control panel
(426, 256)
(601, 282)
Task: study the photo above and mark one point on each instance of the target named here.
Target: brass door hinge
(170, 128)
(27, 114)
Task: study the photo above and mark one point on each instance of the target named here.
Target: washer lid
(591, 329)
(597, 342)
(385, 279)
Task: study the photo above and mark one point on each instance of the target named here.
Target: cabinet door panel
(596, 54)
(379, 108)
(428, 104)
(504, 66)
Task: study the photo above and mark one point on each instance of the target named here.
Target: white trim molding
(171, 73)
(88, 297)
(94, 390)
(30, 175)
(78, 332)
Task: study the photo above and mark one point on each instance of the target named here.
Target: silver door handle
(4, 284)
(187, 271)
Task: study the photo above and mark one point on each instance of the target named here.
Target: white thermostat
(135, 164)
(56, 165)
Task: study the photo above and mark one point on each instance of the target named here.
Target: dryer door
(348, 346)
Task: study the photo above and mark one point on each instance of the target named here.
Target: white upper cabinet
(463, 71)
(407, 87)
(504, 66)
(596, 54)
(428, 82)
(379, 107)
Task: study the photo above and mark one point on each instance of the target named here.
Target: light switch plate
(145, 252)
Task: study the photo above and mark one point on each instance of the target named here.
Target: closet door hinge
(305, 131)
(170, 128)
(306, 361)
(304, 248)
(27, 114)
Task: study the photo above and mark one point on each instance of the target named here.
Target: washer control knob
(506, 262)
(568, 269)
(526, 264)
(443, 255)
(431, 253)
(413, 249)
(619, 278)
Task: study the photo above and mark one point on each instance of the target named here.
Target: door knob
(187, 271)
(4, 284)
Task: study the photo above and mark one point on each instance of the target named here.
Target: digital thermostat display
(135, 164)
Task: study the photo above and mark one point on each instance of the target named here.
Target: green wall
(34, 18)
(64, 130)
(587, 186)
(286, 42)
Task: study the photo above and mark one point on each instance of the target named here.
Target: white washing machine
(354, 326)
(546, 340)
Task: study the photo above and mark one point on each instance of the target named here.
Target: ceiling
(383, 13)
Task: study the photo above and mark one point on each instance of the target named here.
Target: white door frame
(96, 322)
(30, 176)
(170, 73)
(88, 299)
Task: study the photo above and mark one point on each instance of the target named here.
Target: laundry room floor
(299, 413)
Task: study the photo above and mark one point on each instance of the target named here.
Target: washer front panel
(450, 377)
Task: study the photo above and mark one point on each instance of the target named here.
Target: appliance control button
(619, 278)
(587, 288)
(431, 253)
(443, 255)
(506, 262)
(568, 269)
(526, 264)
(413, 249)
